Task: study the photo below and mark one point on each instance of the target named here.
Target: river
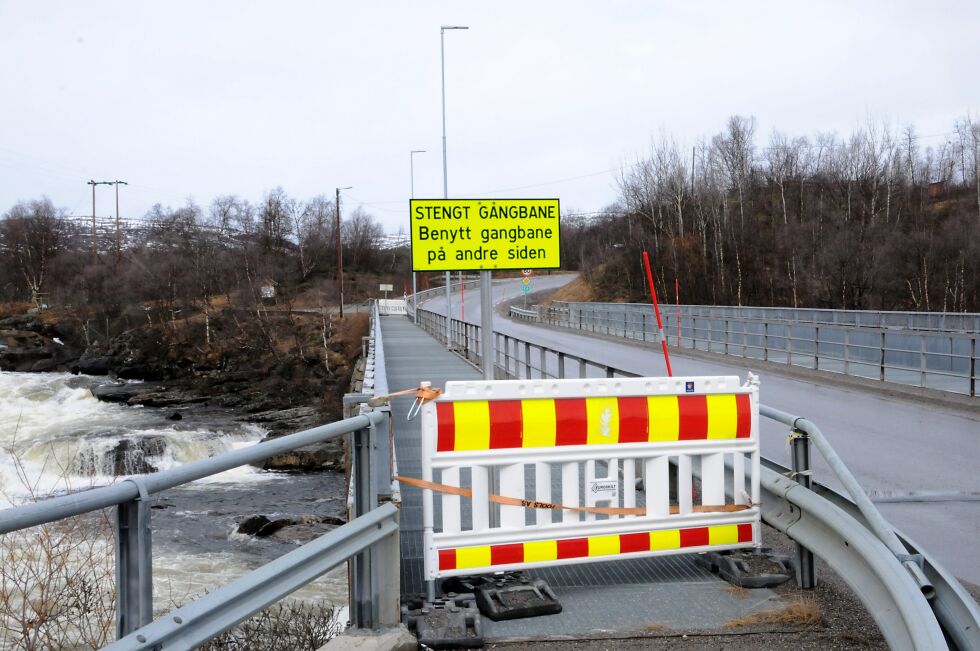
(56, 436)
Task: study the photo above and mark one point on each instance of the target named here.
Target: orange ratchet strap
(422, 393)
(532, 504)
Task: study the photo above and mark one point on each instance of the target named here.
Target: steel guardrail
(57, 508)
(883, 319)
(193, 624)
(132, 497)
(958, 613)
(889, 592)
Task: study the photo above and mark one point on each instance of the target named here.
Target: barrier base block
(508, 595)
(452, 622)
(749, 569)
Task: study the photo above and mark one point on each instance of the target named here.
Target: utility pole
(340, 254)
(95, 236)
(117, 184)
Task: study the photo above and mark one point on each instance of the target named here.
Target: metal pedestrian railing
(210, 616)
(903, 347)
(885, 319)
(369, 541)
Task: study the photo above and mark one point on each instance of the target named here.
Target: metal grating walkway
(412, 356)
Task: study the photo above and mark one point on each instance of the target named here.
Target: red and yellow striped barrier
(543, 551)
(541, 423)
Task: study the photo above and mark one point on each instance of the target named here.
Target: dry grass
(737, 591)
(11, 309)
(801, 611)
(654, 628)
(351, 329)
(576, 291)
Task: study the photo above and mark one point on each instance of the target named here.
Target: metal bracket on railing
(134, 565)
(911, 558)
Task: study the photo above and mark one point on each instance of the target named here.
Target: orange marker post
(656, 309)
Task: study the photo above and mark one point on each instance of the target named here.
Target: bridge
(914, 451)
(899, 551)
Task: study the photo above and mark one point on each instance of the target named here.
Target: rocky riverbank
(283, 371)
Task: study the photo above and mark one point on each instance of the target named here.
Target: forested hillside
(873, 220)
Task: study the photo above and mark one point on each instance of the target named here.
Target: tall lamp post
(95, 236)
(340, 255)
(411, 171)
(445, 172)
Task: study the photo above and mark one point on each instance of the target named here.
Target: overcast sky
(196, 99)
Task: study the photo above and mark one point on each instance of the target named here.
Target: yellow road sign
(458, 234)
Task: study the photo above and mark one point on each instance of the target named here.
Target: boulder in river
(300, 529)
(130, 456)
(328, 455)
(261, 526)
(29, 351)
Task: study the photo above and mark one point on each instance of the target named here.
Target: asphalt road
(923, 459)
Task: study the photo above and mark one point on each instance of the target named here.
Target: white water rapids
(56, 437)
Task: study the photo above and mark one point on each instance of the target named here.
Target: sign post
(485, 235)
(526, 284)
(386, 288)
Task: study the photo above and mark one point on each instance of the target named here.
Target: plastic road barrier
(587, 441)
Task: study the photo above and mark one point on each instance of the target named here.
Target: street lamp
(411, 167)
(445, 173)
(340, 256)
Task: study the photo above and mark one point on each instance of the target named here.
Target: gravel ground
(845, 624)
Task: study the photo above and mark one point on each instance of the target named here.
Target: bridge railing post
(765, 341)
(816, 348)
(973, 366)
(806, 573)
(134, 563)
(386, 581)
(364, 597)
(789, 344)
(881, 356)
(922, 360)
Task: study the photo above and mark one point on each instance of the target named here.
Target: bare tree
(31, 234)
(737, 152)
(361, 235)
(315, 232)
(275, 217)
